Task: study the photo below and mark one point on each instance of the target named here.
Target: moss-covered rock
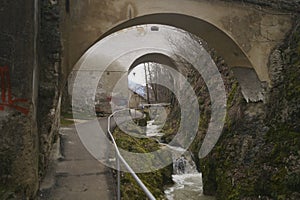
(154, 181)
(258, 153)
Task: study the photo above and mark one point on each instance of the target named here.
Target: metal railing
(119, 158)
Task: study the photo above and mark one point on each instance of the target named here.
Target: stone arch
(154, 57)
(158, 58)
(252, 33)
(215, 37)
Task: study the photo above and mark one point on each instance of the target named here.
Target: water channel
(187, 180)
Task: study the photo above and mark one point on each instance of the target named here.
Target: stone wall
(51, 80)
(18, 141)
(257, 156)
(28, 127)
(258, 153)
(283, 5)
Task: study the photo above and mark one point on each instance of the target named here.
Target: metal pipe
(119, 158)
(119, 177)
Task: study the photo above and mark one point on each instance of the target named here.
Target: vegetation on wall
(258, 153)
(259, 158)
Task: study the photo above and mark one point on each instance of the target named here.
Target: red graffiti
(6, 97)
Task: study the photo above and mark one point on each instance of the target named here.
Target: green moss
(292, 60)
(135, 145)
(6, 192)
(285, 143)
(225, 187)
(155, 180)
(66, 121)
(293, 181)
(208, 169)
(232, 94)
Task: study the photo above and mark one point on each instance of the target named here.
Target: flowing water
(152, 129)
(187, 180)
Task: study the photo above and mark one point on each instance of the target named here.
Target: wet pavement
(76, 174)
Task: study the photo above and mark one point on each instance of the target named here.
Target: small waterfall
(180, 165)
(182, 161)
(188, 181)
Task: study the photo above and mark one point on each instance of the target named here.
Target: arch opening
(143, 75)
(215, 38)
(104, 58)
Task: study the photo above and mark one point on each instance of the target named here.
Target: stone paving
(76, 174)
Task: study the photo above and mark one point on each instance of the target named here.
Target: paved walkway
(77, 175)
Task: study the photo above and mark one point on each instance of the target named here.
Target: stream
(187, 180)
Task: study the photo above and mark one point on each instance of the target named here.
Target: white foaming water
(187, 186)
(153, 130)
(187, 180)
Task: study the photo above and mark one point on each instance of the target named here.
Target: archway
(105, 58)
(216, 39)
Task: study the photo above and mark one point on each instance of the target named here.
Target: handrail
(119, 158)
